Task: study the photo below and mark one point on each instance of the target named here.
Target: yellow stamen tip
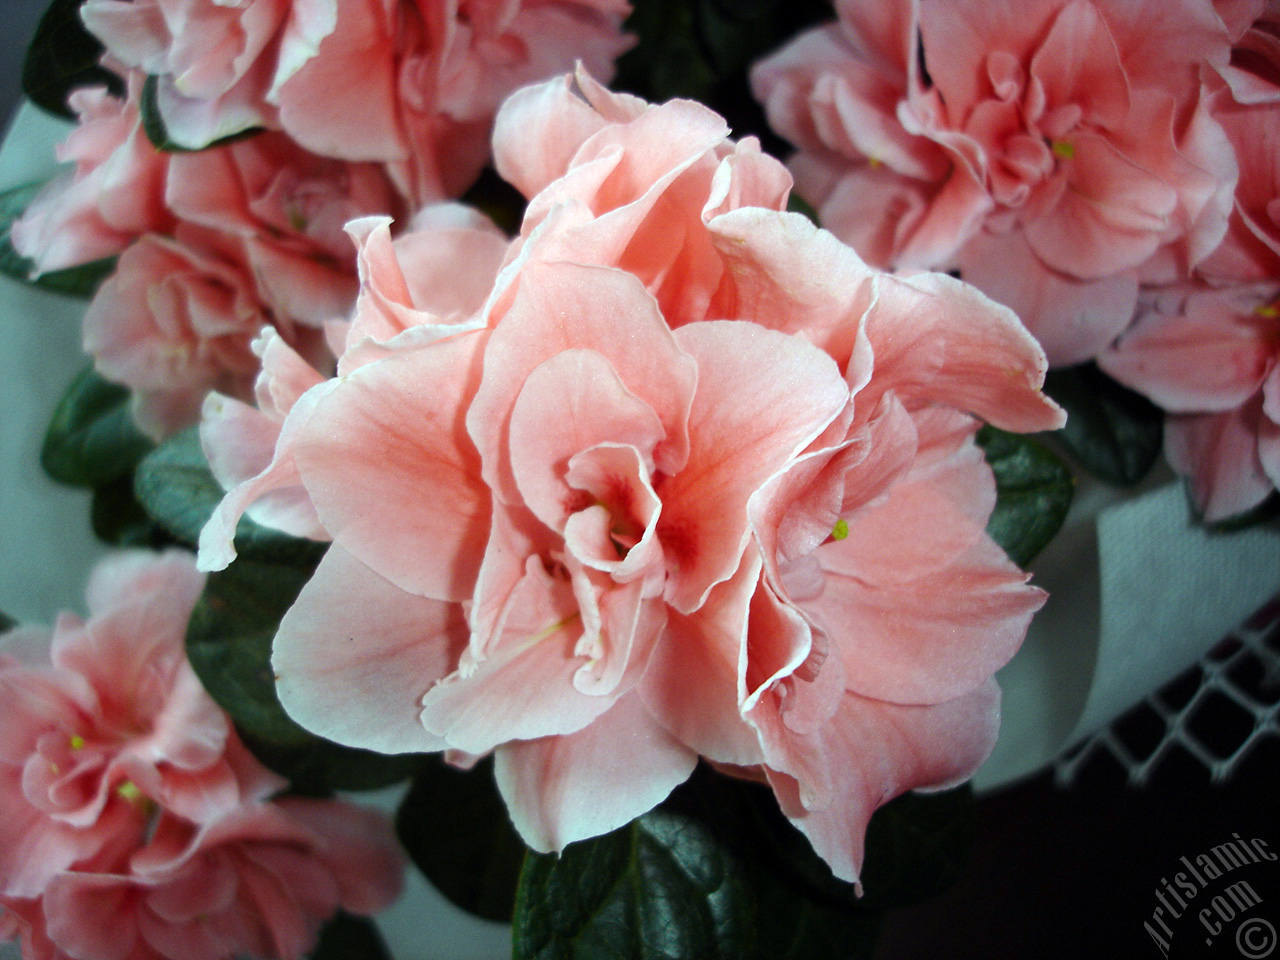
(840, 530)
(1269, 310)
(77, 742)
(129, 791)
(1063, 149)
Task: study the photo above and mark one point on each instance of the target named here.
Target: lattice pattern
(1217, 711)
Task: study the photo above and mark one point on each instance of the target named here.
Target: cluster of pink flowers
(136, 824)
(1094, 165)
(1207, 349)
(368, 108)
(673, 474)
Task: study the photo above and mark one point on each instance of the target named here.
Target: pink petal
(570, 403)
(919, 602)
(392, 473)
(359, 846)
(538, 130)
(1219, 451)
(562, 789)
(562, 306)
(355, 655)
(937, 340)
(1211, 360)
(523, 685)
(784, 273)
(1073, 320)
(762, 397)
(874, 751)
(691, 686)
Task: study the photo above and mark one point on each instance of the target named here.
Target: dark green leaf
(318, 766)
(703, 49)
(7, 622)
(1033, 493)
(917, 846)
(1112, 432)
(91, 438)
(153, 124)
(80, 282)
(454, 826)
(701, 876)
(667, 60)
(229, 645)
(498, 200)
(661, 887)
(798, 204)
(177, 489)
(118, 518)
(62, 56)
(350, 938)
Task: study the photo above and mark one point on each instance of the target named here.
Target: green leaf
(798, 204)
(118, 518)
(154, 127)
(455, 828)
(229, 641)
(696, 878)
(229, 644)
(498, 200)
(660, 887)
(1111, 431)
(175, 485)
(703, 49)
(918, 845)
(80, 282)
(350, 938)
(7, 622)
(1033, 493)
(667, 60)
(91, 439)
(62, 56)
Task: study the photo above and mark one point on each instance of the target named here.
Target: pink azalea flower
(1056, 155)
(410, 83)
(1208, 351)
(113, 196)
(214, 246)
(691, 480)
(455, 253)
(1253, 73)
(259, 881)
(219, 66)
(1210, 357)
(136, 823)
(107, 712)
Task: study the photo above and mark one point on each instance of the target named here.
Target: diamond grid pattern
(1217, 711)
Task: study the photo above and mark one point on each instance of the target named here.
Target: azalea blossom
(690, 480)
(1057, 155)
(1207, 350)
(113, 195)
(410, 83)
(136, 824)
(213, 247)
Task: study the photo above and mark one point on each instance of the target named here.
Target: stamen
(840, 530)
